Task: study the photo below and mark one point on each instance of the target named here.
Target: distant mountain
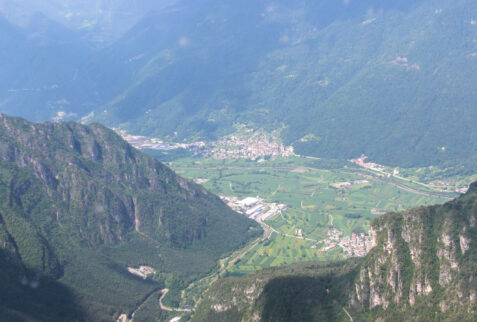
(394, 81)
(39, 62)
(422, 268)
(99, 21)
(79, 206)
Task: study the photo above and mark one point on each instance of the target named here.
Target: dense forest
(80, 205)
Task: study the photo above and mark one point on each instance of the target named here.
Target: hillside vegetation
(394, 81)
(79, 205)
(423, 267)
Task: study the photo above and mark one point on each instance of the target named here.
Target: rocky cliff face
(78, 203)
(103, 187)
(422, 267)
(424, 258)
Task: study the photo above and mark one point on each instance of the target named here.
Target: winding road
(167, 308)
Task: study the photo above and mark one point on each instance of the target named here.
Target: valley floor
(326, 216)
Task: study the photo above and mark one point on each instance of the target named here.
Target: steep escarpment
(79, 204)
(423, 262)
(423, 266)
(91, 170)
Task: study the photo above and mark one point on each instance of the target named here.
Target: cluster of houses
(448, 186)
(142, 271)
(361, 161)
(254, 147)
(356, 245)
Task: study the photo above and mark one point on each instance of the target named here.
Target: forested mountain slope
(422, 268)
(394, 81)
(79, 205)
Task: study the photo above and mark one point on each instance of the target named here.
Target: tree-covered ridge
(80, 205)
(394, 81)
(423, 267)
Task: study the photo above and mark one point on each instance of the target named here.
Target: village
(259, 146)
(356, 245)
(252, 146)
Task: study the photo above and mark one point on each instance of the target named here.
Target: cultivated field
(318, 198)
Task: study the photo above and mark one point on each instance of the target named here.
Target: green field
(314, 205)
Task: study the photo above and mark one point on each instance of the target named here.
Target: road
(267, 232)
(227, 263)
(370, 174)
(273, 230)
(167, 308)
(350, 318)
(124, 317)
(374, 173)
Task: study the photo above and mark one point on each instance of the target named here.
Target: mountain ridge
(339, 79)
(81, 205)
